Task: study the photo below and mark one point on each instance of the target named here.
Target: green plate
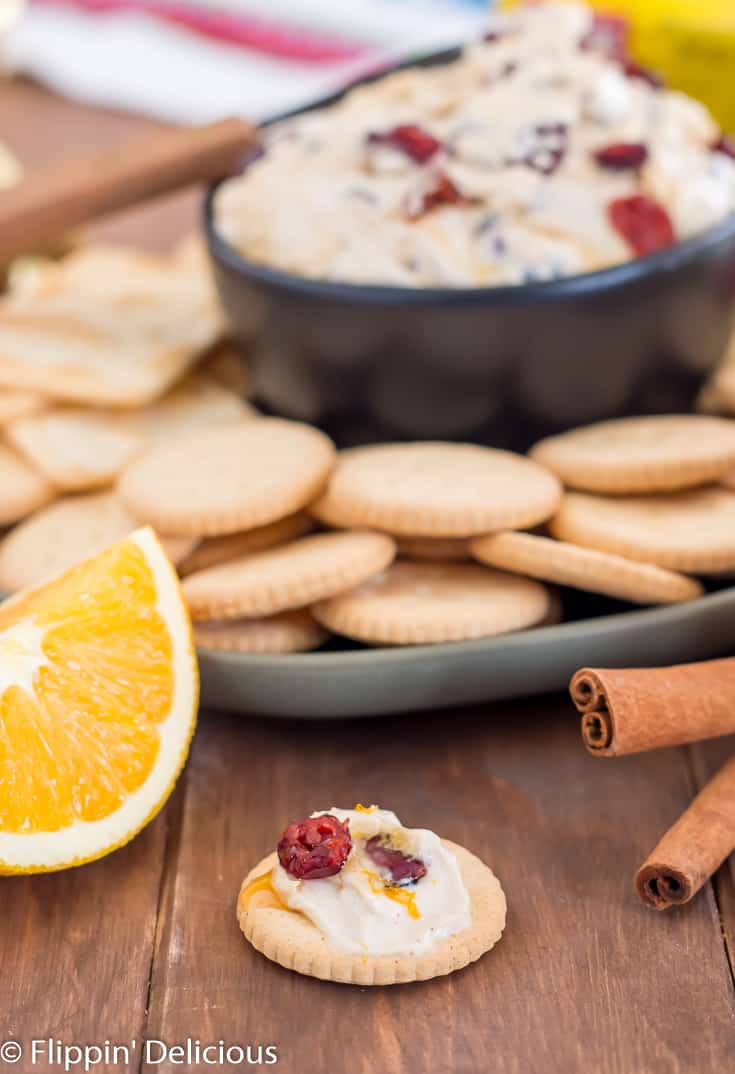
(374, 682)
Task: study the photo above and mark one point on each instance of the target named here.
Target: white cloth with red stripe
(192, 61)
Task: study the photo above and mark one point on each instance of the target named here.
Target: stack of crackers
(97, 363)
(120, 406)
(655, 490)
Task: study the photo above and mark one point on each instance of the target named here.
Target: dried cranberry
(643, 223)
(316, 847)
(608, 35)
(622, 155)
(441, 191)
(401, 868)
(645, 74)
(724, 145)
(414, 141)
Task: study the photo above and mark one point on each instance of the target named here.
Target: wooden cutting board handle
(51, 202)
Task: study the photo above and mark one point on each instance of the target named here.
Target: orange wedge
(98, 700)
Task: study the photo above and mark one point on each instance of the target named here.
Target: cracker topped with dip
(354, 896)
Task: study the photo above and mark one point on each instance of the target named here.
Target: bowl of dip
(499, 242)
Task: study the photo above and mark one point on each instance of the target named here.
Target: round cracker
(437, 489)
(650, 454)
(24, 490)
(294, 942)
(692, 530)
(212, 551)
(291, 576)
(288, 632)
(64, 533)
(223, 480)
(418, 603)
(584, 568)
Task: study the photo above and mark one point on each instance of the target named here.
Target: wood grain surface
(145, 944)
(585, 977)
(85, 188)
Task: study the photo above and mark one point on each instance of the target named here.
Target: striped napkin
(193, 61)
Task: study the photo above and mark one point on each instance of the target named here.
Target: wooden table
(145, 944)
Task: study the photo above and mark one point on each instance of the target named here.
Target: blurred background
(197, 60)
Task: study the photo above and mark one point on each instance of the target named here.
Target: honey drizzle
(261, 883)
(399, 895)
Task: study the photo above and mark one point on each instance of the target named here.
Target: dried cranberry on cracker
(402, 868)
(314, 848)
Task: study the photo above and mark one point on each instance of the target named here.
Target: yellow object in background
(690, 42)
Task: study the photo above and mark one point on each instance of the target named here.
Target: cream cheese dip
(543, 152)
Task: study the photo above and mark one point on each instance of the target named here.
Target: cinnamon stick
(53, 201)
(631, 710)
(694, 848)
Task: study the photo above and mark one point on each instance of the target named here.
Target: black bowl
(502, 365)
